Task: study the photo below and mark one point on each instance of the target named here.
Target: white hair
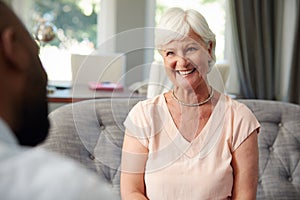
(177, 23)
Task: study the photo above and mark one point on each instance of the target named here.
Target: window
(75, 27)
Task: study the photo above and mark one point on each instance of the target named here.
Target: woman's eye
(191, 49)
(169, 53)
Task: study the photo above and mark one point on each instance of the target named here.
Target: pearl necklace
(211, 94)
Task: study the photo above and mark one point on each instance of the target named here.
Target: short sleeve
(244, 124)
(137, 124)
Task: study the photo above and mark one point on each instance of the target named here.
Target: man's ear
(12, 48)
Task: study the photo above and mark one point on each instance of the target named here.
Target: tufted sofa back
(279, 149)
(91, 132)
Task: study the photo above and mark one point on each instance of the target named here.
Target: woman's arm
(134, 157)
(245, 169)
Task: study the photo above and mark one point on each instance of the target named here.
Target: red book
(105, 86)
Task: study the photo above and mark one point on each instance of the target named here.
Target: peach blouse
(200, 169)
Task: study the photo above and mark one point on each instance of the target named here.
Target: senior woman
(192, 142)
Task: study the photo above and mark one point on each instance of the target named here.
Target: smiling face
(186, 61)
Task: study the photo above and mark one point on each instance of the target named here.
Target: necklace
(211, 94)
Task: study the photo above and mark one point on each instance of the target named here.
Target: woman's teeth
(186, 72)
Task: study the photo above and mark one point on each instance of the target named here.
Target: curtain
(258, 32)
(294, 84)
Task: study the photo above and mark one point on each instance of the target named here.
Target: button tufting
(259, 181)
(102, 127)
(290, 179)
(271, 148)
(91, 156)
(280, 124)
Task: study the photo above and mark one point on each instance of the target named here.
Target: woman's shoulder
(147, 105)
(239, 110)
(234, 103)
(157, 100)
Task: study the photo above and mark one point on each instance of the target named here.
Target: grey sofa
(91, 132)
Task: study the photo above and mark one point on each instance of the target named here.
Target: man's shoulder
(51, 165)
(38, 173)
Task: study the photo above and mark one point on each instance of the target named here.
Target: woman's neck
(193, 96)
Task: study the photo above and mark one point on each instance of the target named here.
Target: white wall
(122, 30)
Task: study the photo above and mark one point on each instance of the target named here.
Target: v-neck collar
(204, 142)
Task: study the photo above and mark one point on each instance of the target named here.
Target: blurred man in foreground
(30, 173)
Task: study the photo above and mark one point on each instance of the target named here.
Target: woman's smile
(186, 72)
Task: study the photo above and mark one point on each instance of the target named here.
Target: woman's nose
(181, 62)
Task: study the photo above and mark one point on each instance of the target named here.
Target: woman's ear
(12, 48)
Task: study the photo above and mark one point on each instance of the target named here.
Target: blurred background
(257, 40)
